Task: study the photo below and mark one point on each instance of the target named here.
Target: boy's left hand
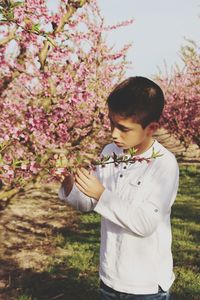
(88, 183)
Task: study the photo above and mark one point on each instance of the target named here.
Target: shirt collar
(146, 154)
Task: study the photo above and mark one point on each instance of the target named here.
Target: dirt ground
(28, 227)
(190, 155)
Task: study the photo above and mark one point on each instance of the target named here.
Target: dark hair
(137, 97)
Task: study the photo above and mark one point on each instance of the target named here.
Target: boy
(134, 200)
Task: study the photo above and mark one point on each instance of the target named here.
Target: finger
(85, 172)
(88, 174)
(80, 188)
(80, 181)
(82, 175)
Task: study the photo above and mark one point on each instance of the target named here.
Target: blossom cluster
(56, 73)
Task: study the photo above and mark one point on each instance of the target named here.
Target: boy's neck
(146, 145)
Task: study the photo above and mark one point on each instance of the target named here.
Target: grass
(186, 235)
(74, 274)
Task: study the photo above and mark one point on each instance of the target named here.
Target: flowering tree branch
(127, 159)
(54, 79)
(90, 163)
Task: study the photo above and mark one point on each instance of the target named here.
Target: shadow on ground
(32, 265)
(66, 285)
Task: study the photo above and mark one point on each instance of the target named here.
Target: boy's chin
(126, 149)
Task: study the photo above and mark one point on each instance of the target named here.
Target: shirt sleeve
(153, 204)
(77, 199)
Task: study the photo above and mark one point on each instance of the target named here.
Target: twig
(58, 296)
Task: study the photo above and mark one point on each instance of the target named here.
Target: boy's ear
(152, 127)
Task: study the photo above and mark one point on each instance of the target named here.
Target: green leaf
(50, 40)
(10, 15)
(17, 4)
(156, 154)
(36, 27)
(18, 163)
(132, 151)
(105, 158)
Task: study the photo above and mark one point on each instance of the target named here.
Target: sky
(159, 30)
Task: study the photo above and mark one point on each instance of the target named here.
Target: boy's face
(128, 134)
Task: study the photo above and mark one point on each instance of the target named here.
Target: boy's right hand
(68, 183)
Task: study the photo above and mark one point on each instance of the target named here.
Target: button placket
(123, 170)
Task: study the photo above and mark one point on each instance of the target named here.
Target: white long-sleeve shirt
(135, 251)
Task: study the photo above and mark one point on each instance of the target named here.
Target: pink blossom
(54, 108)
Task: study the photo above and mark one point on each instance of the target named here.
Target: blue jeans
(108, 293)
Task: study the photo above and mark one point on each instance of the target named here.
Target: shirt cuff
(106, 204)
(61, 194)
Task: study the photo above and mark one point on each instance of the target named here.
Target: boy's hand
(67, 184)
(88, 184)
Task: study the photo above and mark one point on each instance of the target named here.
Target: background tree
(182, 92)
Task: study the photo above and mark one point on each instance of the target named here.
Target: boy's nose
(115, 134)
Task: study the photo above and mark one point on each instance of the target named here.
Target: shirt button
(120, 175)
(139, 182)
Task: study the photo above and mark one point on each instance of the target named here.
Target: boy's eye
(124, 130)
(120, 128)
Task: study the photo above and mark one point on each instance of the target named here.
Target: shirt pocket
(135, 182)
(133, 189)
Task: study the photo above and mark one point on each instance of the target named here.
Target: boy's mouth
(118, 144)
